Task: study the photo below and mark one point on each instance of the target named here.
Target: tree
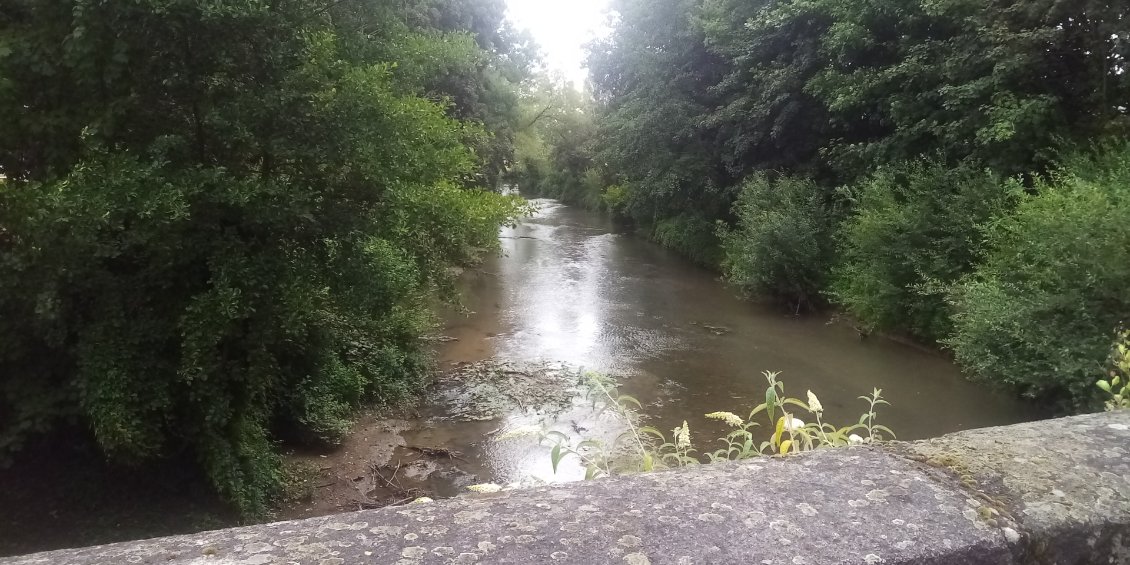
(652, 78)
(556, 157)
(915, 230)
(222, 219)
(1040, 312)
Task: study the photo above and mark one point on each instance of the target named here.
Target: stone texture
(1065, 482)
(1053, 491)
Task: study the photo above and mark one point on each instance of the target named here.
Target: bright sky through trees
(561, 28)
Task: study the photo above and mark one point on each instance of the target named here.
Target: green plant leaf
(631, 400)
(555, 457)
(560, 437)
(771, 401)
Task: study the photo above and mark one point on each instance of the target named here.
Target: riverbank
(568, 293)
(68, 496)
(450, 441)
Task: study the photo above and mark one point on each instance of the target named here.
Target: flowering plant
(645, 448)
(1118, 385)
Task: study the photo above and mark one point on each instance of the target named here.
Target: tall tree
(653, 79)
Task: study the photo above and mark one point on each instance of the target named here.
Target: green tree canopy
(224, 218)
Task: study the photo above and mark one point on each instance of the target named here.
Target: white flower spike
(728, 417)
(814, 403)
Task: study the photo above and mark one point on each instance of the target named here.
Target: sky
(561, 28)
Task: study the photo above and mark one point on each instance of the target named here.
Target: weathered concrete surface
(1054, 491)
(1066, 482)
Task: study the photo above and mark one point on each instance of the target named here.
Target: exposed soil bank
(455, 440)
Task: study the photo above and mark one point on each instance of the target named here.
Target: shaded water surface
(569, 289)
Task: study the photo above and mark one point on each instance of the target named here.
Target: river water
(569, 289)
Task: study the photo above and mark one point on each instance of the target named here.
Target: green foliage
(1118, 385)
(555, 157)
(652, 80)
(791, 434)
(696, 95)
(691, 235)
(645, 448)
(299, 481)
(997, 81)
(1037, 314)
(915, 230)
(615, 198)
(781, 246)
(224, 220)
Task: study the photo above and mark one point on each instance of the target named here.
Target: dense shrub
(615, 198)
(915, 229)
(690, 235)
(781, 246)
(219, 220)
(1040, 313)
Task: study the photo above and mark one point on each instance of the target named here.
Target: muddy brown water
(568, 291)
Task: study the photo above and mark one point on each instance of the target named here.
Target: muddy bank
(456, 439)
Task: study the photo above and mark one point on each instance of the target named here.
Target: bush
(690, 235)
(781, 247)
(206, 257)
(1038, 314)
(916, 229)
(615, 199)
(1116, 385)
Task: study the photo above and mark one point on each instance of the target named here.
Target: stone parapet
(1054, 491)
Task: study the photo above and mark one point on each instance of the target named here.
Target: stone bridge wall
(1056, 491)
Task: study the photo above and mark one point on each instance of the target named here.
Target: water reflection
(569, 289)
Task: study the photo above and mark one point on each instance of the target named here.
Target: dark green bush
(915, 230)
(781, 247)
(1040, 313)
(690, 235)
(219, 220)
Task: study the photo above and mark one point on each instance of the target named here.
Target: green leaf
(560, 437)
(555, 457)
(796, 402)
(631, 400)
(771, 402)
(589, 443)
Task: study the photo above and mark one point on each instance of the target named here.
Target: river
(567, 291)
(568, 288)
